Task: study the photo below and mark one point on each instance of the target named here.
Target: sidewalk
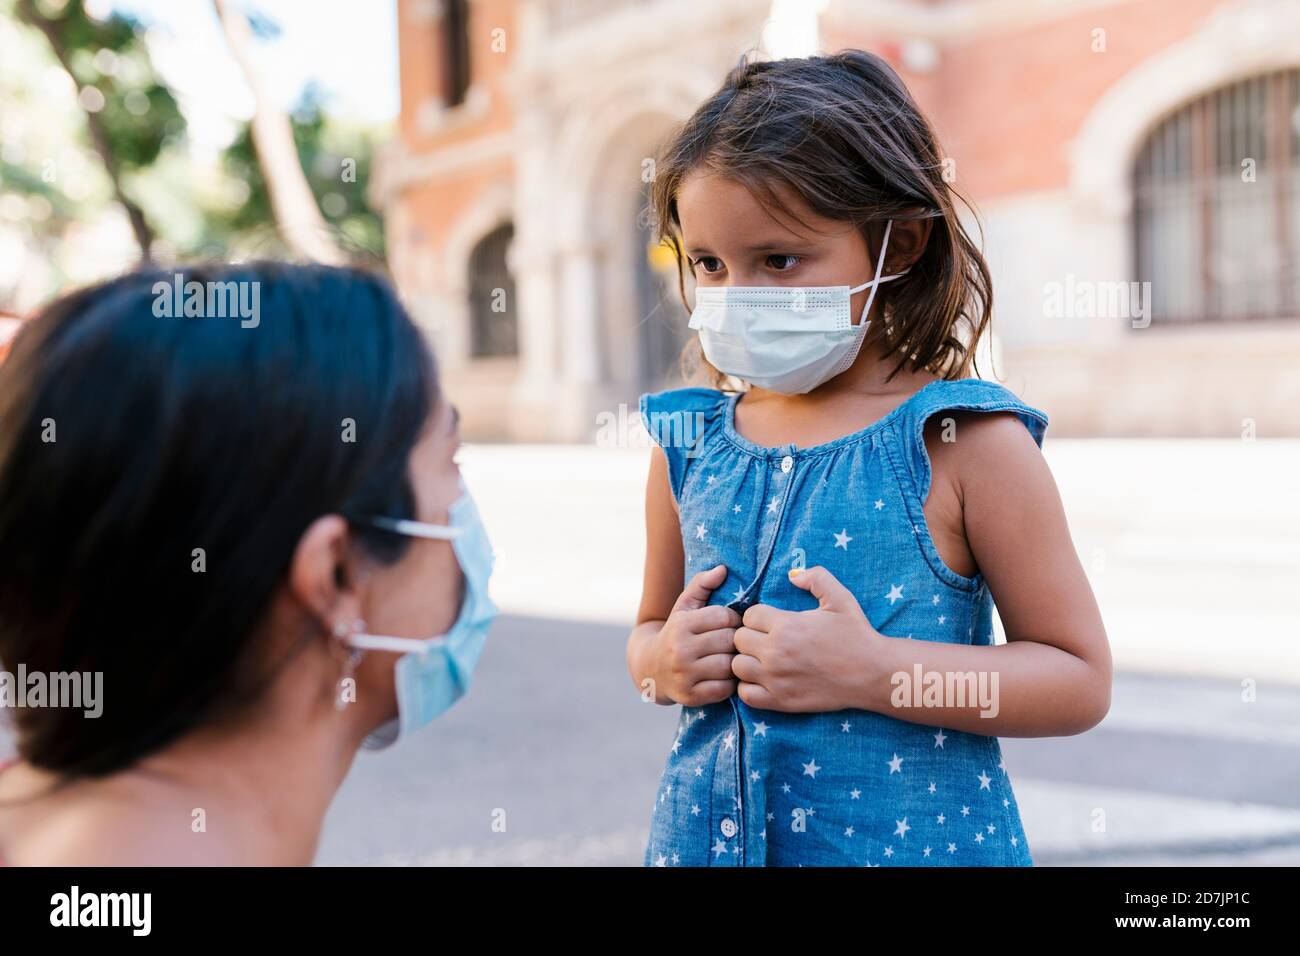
(1192, 546)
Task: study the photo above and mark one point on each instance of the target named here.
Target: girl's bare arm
(680, 650)
(1054, 672)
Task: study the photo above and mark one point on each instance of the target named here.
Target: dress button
(787, 463)
(728, 827)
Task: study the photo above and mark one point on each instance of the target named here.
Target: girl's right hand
(692, 654)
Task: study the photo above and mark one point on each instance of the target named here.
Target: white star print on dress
(754, 787)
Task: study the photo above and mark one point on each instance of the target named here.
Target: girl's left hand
(808, 661)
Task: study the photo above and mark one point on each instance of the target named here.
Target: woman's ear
(907, 240)
(320, 576)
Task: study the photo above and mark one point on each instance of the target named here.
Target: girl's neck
(851, 401)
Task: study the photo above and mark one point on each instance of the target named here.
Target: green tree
(131, 116)
(336, 161)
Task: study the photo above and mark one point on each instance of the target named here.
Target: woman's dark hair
(131, 436)
(845, 135)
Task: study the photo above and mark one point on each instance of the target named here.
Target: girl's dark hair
(845, 135)
(128, 440)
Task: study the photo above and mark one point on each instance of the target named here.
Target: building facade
(1135, 166)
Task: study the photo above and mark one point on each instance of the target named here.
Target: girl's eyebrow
(790, 245)
(780, 246)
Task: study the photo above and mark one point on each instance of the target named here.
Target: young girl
(824, 547)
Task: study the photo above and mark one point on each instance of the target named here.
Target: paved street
(554, 735)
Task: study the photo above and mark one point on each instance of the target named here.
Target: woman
(250, 529)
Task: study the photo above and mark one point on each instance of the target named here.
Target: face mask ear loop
(875, 282)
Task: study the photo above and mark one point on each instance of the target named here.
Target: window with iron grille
(1217, 205)
(494, 319)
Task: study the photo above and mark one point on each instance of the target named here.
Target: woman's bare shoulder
(100, 823)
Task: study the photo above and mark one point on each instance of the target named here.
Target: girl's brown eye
(782, 263)
(708, 263)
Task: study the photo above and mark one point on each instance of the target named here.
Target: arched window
(494, 312)
(1217, 204)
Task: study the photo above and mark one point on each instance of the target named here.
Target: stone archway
(603, 150)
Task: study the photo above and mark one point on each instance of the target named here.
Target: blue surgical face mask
(434, 673)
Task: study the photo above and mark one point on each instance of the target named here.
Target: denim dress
(749, 787)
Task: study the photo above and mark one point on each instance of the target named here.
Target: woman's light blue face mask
(433, 673)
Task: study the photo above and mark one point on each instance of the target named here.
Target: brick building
(1135, 164)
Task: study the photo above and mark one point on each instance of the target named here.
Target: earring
(341, 630)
